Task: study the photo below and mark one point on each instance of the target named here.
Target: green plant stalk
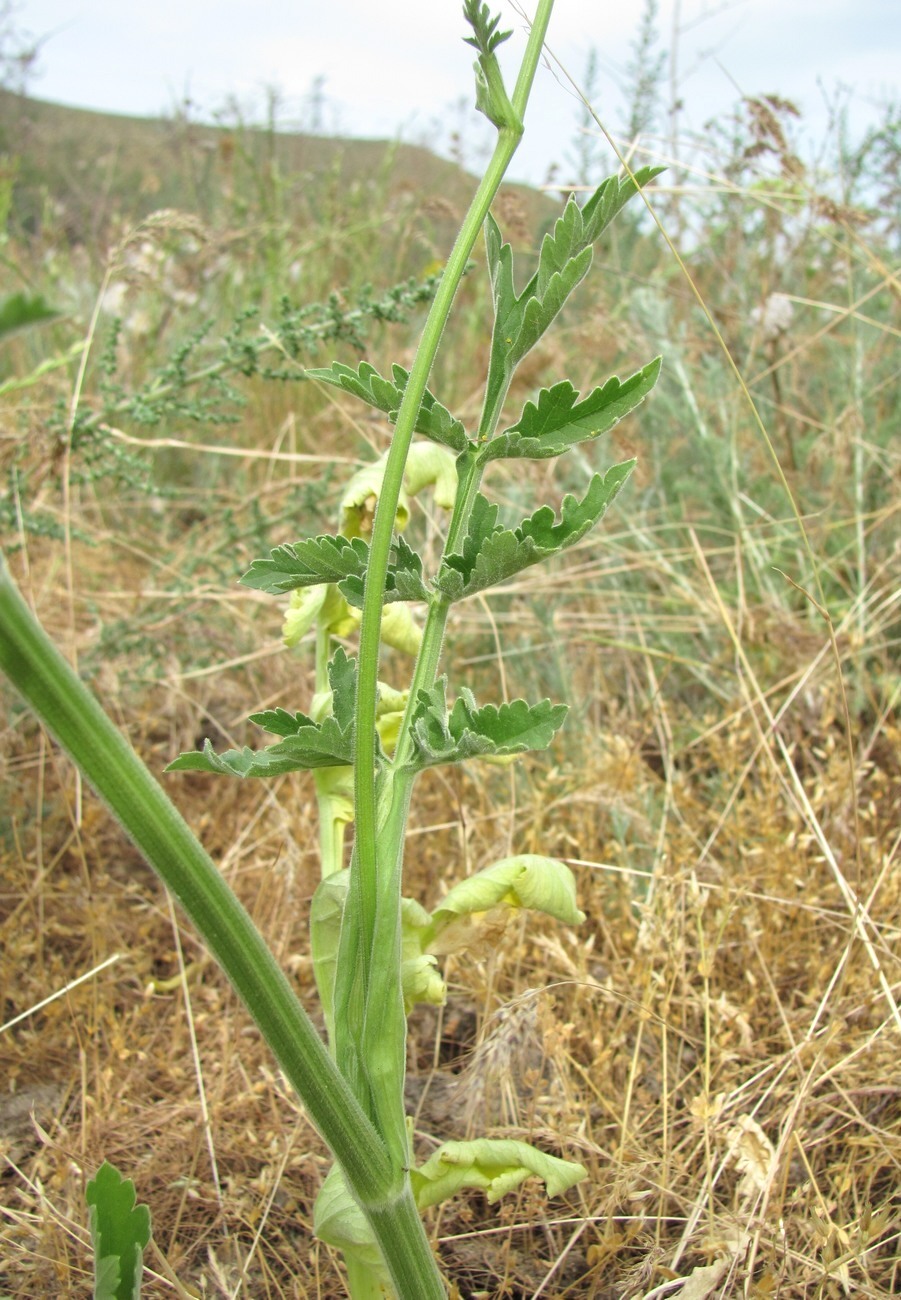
(370, 1015)
(56, 694)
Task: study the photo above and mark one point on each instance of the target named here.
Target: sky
(399, 68)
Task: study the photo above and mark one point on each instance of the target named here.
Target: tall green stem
(369, 1011)
(366, 887)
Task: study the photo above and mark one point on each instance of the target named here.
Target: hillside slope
(86, 168)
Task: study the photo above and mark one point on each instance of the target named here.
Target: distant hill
(81, 170)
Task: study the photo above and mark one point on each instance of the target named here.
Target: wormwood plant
(373, 949)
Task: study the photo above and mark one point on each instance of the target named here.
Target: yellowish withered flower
(360, 498)
(321, 606)
(431, 466)
(427, 466)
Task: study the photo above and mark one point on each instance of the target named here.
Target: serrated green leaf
(496, 1165)
(610, 198)
(564, 259)
(305, 744)
(308, 563)
(120, 1231)
(558, 248)
(299, 753)
(521, 319)
(558, 421)
(434, 421)
(485, 38)
(403, 580)
(526, 880)
(482, 524)
(280, 722)
(468, 731)
(365, 382)
(456, 570)
(510, 728)
(545, 306)
(505, 552)
(430, 727)
(500, 269)
(342, 677)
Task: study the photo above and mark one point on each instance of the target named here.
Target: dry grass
(718, 1044)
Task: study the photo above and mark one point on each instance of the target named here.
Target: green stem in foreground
(59, 698)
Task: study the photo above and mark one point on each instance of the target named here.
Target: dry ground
(718, 1043)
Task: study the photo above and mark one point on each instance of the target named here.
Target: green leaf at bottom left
(120, 1230)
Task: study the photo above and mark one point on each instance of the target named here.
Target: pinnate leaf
(308, 563)
(541, 308)
(336, 559)
(491, 96)
(520, 320)
(611, 197)
(564, 260)
(120, 1231)
(485, 38)
(433, 421)
(280, 722)
(559, 421)
(342, 677)
(403, 580)
(309, 748)
(305, 744)
(505, 552)
(468, 731)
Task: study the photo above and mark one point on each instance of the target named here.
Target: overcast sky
(398, 67)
